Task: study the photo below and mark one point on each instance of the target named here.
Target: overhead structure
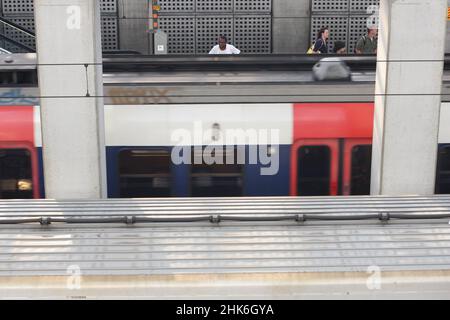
(411, 47)
(71, 89)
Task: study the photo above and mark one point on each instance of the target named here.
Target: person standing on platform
(321, 45)
(224, 48)
(367, 44)
(340, 47)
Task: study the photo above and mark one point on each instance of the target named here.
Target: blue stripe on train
(41, 172)
(255, 184)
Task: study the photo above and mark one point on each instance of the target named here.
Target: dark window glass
(443, 171)
(361, 170)
(144, 173)
(11, 78)
(313, 165)
(16, 180)
(221, 179)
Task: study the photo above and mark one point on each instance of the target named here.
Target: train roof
(223, 235)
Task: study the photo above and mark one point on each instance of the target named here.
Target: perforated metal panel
(181, 33)
(17, 6)
(330, 5)
(337, 25)
(208, 29)
(253, 5)
(252, 34)
(214, 6)
(26, 6)
(109, 33)
(193, 26)
(108, 6)
(27, 23)
(361, 6)
(174, 6)
(22, 13)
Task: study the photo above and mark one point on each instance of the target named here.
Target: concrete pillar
(134, 26)
(447, 47)
(407, 102)
(68, 35)
(291, 24)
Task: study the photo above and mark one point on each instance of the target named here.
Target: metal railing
(21, 30)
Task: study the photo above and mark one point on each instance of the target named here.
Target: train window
(314, 165)
(13, 78)
(144, 173)
(216, 180)
(443, 171)
(361, 170)
(16, 180)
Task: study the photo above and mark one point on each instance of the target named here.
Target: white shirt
(228, 50)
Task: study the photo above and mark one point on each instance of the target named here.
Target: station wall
(254, 26)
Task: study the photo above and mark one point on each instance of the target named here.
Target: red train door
(314, 167)
(18, 171)
(357, 166)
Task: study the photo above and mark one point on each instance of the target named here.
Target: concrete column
(291, 23)
(407, 102)
(133, 26)
(68, 35)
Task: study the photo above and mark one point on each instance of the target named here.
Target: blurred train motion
(325, 129)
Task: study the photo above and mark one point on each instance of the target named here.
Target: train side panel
(132, 130)
(344, 127)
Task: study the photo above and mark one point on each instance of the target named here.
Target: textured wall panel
(22, 13)
(253, 5)
(330, 5)
(221, 6)
(109, 33)
(27, 23)
(361, 6)
(108, 6)
(17, 6)
(208, 30)
(181, 33)
(252, 33)
(174, 6)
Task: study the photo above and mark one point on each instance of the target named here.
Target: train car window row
(15, 174)
(148, 173)
(13, 78)
(144, 173)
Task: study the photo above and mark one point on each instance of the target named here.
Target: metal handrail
(216, 219)
(18, 27)
(16, 43)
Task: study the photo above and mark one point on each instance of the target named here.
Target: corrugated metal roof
(229, 246)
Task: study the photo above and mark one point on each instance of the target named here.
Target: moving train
(320, 144)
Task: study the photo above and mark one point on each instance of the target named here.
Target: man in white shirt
(224, 48)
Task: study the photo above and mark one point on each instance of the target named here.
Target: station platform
(226, 248)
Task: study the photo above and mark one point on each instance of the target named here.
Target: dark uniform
(320, 46)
